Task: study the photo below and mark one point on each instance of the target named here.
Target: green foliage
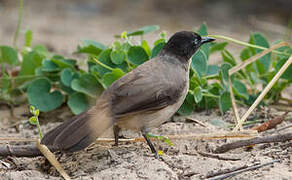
(8, 55)
(87, 84)
(34, 120)
(224, 102)
(142, 31)
(137, 55)
(28, 38)
(78, 102)
(161, 138)
(50, 80)
(40, 95)
(90, 47)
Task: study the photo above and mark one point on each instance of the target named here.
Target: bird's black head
(184, 44)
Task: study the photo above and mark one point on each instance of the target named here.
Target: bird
(142, 99)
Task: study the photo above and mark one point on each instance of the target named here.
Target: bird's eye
(196, 41)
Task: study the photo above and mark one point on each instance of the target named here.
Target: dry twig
(31, 150)
(52, 159)
(217, 156)
(19, 151)
(235, 172)
(258, 140)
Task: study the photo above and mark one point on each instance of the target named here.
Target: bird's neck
(185, 64)
(181, 58)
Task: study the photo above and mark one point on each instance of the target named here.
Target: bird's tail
(80, 131)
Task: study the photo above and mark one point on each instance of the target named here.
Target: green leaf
(288, 73)
(37, 112)
(111, 77)
(118, 56)
(5, 82)
(42, 50)
(224, 102)
(40, 95)
(28, 38)
(64, 63)
(67, 76)
(104, 57)
(67, 89)
(284, 49)
(245, 54)
(224, 73)
(31, 109)
(49, 66)
(205, 48)
(146, 47)
(117, 45)
(215, 88)
(88, 85)
(144, 30)
(227, 57)
(137, 55)
(240, 89)
(158, 41)
(264, 62)
(8, 55)
(203, 30)
(213, 70)
(156, 50)
(126, 46)
(90, 47)
(188, 105)
(198, 94)
(78, 103)
(199, 63)
(33, 120)
(218, 47)
(30, 62)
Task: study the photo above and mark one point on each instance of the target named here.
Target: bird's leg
(153, 150)
(116, 134)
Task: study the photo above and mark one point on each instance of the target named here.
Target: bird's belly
(152, 119)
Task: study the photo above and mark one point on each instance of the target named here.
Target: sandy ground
(61, 25)
(135, 161)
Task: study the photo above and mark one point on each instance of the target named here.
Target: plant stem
(214, 76)
(39, 128)
(20, 7)
(103, 65)
(210, 95)
(246, 123)
(245, 44)
(27, 76)
(217, 97)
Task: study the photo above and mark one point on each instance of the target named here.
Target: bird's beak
(207, 39)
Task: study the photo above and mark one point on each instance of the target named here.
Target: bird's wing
(144, 91)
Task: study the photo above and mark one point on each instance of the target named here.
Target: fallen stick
(224, 171)
(258, 140)
(216, 156)
(52, 159)
(19, 150)
(233, 173)
(32, 150)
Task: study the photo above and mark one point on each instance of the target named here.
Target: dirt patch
(135, 161)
